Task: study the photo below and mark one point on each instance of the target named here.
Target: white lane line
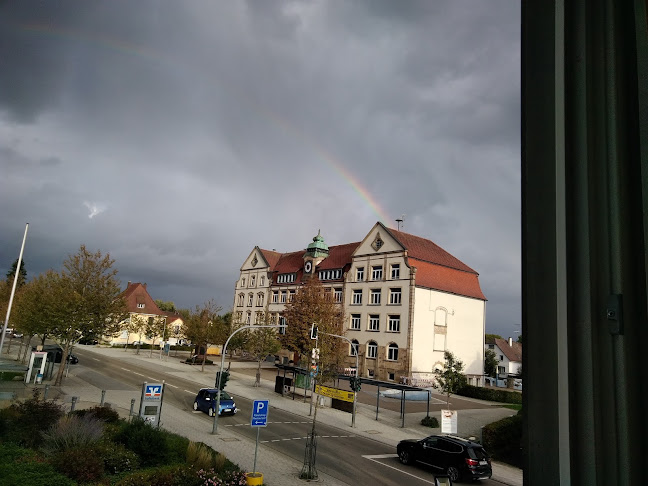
(96, 359)
(151, 378)
(192, 392)
(172, 386)
(386, 456)
(140, 374)
(126, 369)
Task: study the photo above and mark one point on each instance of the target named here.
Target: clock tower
(317, 251)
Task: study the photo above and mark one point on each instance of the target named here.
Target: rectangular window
(374, 322)
(284, 294)
(394, 324)
(248, 319)
(282, 322)
(338, 294)
(359, 274)
(355, 322)
(275, 296)
(375, 296)
(252, 280)
(376, 272)
(140, 306)
(390, 376)
(260, 300)
(250, 299)
(291, 296)
(242, 282)
(372, 352)
(240, 300)
(262, 281)
(394, 296)
(395, 271)
(357, 296)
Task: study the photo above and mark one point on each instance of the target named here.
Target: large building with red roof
(406, 301)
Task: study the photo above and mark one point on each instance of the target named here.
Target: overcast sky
(178, 135)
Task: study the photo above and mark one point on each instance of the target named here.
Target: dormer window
(140, 306)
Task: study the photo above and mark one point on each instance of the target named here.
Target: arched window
(372, 349)
(353, 351)
(260, 299)
(392, 352)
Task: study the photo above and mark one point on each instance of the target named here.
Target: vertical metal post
(13, 290)
(47, 387)
(377, 401)
(428, 404)
(256, 450)
(74, 400)
(103, 397)
(132, 406)
(403, 411)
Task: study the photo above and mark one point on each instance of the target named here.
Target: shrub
(80, 464)
(105, 414)
(177, 475)
(430, 422)
(199, 455)
(503, 440)
(153, 446)
(72, 432)
(117, 459)
(491, 394)
(23, 422)
(31, 471)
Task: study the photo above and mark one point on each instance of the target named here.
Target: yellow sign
(345, 395)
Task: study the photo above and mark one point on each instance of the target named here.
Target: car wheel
(211, 412)
(195, 405)
(453, 474)
(404, 456)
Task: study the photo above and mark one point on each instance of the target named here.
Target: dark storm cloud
(178, 135)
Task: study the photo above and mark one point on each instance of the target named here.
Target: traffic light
(313, 331)
(355, 384)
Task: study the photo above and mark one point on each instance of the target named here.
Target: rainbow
(334, 163)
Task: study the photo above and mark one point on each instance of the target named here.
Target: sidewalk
(277, 468)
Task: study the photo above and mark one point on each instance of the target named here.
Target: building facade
(406, 301)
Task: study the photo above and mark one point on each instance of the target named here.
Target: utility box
(151, 402)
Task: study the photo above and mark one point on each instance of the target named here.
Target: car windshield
(477, 453)
(224, 396)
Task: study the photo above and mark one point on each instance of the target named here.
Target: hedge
(503, 440)
(491, 394)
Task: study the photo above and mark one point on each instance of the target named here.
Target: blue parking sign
(259, 413)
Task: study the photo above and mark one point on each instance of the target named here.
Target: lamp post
(220, 374)
(355, 394)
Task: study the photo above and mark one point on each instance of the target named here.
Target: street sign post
(259, 413)
(259, 419)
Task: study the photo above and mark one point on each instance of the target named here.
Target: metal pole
(256, 449)
(403, 412)
(46, 391)
(103, 397)
(428, 404)
(132, 406)
(377, 401)
(222, 365)
(74, 400)
(13, 290)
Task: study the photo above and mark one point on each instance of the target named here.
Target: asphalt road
(349, 458)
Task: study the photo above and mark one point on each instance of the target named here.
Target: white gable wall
(464, 327)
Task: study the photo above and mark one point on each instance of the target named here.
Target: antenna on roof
(400, 221)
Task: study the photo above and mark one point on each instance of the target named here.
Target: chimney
(511, 342)
(144, 285)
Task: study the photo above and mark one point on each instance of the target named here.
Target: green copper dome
(318, 247)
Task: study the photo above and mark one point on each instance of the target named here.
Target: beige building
(406, 301)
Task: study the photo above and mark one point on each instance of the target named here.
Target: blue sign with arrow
(259, 413)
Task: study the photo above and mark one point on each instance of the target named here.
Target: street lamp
(222, 365)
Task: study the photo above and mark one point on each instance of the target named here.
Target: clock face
(308, 266)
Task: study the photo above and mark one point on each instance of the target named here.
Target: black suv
(456, 457)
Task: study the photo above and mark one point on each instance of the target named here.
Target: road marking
(151, 378)
(96, 359)
(192, 392)
(169, 384)
(126, 369)
(390, 456)
(321, 437)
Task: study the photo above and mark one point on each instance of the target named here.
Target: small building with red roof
(406, 301)
(145, 317)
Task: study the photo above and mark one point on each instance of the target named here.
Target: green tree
(22, 275)
(90, 299)
(490, 363)
(262, 342)
(451, 378)
(156, 327)
(492, 337)
(165, 306)
(204, 327)
(519, 339)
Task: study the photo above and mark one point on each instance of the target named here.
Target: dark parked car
(88, 340)
(55, 353)
(460, 459)
(206, 402)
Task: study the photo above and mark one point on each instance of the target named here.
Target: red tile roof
(136, 293)
(446, 279)
(272, 257)
(513, 353)
(428, 251)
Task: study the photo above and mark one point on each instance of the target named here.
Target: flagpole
(13, 290)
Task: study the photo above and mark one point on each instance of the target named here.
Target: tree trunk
(257, 382)
(59, 374)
